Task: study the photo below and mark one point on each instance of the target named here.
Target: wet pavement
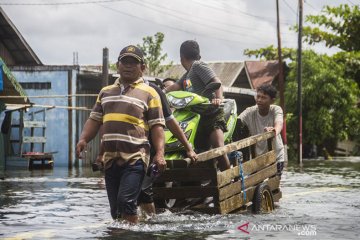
(320, 201)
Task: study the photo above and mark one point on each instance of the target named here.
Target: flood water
(321, 201)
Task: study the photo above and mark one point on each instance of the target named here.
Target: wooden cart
(252, 182)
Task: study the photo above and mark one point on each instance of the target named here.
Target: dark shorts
(123, 186)
(207, 124)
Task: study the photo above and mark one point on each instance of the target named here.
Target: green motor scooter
(189, 108)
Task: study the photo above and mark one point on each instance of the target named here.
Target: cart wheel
(263, 201)
(166, 203)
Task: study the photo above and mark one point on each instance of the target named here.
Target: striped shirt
(198, 76)
(128, 115)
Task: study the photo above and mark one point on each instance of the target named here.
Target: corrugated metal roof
(227, 72)
(15, 44)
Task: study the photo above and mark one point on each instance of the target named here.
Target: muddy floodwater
(320, 201)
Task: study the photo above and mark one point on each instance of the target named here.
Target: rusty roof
(261, 72)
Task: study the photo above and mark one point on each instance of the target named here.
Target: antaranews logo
(301, 230)
(244, 227)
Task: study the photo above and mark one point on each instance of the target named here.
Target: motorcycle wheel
(166, 203)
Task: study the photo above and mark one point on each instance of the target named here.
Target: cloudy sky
(224, 28)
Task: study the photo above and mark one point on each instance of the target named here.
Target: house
(239, 79)
(43, 83)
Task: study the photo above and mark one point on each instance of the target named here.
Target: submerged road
(320, 201)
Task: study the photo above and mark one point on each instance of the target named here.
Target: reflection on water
(320, 201)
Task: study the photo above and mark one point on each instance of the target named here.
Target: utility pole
(299, 68)
(105, 67)
(75, 59)
(281, 80)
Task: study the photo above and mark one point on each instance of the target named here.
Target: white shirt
(256, 124)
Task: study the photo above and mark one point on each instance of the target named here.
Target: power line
(288, 5)
(306, 2)
(191, 21)
(198, 17)
(241, 12)
(60, 3)
(174, 28)
(166, 10)
(98, 2)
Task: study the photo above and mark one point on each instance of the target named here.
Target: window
(36, 85)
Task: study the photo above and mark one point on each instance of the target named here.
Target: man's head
(168, 82)
(131, 63)
(265, 96)
(267, 89)
(190, 50)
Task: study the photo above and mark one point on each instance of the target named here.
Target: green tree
(338, 27)
(271, 53)
(154, 58)
(329, 101)
(330, 93)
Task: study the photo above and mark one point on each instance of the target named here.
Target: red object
(34, 153)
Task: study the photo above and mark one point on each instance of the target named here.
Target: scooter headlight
(179, 102)
(183, 125)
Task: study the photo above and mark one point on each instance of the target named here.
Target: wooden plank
(216, 152)
(230, 190)
(34, 139)
(260, 176)
(181, 163)
(34, 124)
(236, 201)
(187, 174)
(235, 188)
(249, 167)
(38, 156)
(184, 192)
(259, 162)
